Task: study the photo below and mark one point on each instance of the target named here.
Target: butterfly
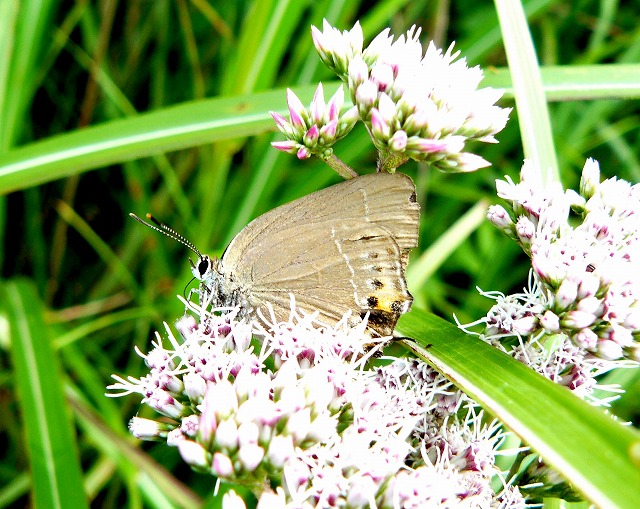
(342, 249)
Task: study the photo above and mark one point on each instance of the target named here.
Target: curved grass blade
(599, 456)
(55, 467)
(186, 125)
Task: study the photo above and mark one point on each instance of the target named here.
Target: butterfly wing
(339, 249)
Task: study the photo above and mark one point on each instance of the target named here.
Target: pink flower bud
(609, 350)
(470, 162)
(318, 40)
(227, 435)
(195, 387)
(190, 425)
(499, 216)
(146, 429)
(387, 108)
(310, 138)
(525, 325)
(589, 285)
(317, 108)
(427, 146)
(379, 127)
(366, 95)
(193, 453)
(335, 104)
(248, 433)
(289, 146)
(591, 305)
(328, 131)
(566, 294)
(586, 339)
(358, 72)
(398, 141)
(525, 229)
(578, 319)
(621, 336)
(297, 111)
(222, 465)
(166, 404)
(303, 153)
(550, 321)
(281, 123)
(208, 419)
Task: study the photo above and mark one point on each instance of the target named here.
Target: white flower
(337, 48)
(250, 455)
(231, 500)
(409, 99)
(193, 453)
(590, 266)
(147, 429)
(319, 426)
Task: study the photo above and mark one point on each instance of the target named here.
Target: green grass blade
(578, 82)
(29, 36)
(8, 14)
(599, 456)
(189, 124)
(420, 270)
(533, 114)
(55, 466)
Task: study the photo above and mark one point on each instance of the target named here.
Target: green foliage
(108, 108)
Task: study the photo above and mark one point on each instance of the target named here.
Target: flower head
(415, 103)
(585, 255)
(303, 421)
(313, 131)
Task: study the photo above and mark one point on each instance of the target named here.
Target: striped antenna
(168, 231)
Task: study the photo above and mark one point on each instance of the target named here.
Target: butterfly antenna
(168, 231)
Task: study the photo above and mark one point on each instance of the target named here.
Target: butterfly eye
(203, 265)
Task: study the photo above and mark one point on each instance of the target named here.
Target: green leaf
(598, 455)
(577, 82)
(186, 125)
(55, 467)
(533, 114)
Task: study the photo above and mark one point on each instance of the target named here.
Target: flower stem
(389, 161)
(345, 171)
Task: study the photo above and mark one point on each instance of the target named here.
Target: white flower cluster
(302, 423)
(415, 106)
(585, 255)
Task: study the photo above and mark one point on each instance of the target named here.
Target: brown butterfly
(343, 248)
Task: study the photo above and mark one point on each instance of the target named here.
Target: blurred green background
(150, 75)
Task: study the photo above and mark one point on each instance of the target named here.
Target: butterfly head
(205, 269)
